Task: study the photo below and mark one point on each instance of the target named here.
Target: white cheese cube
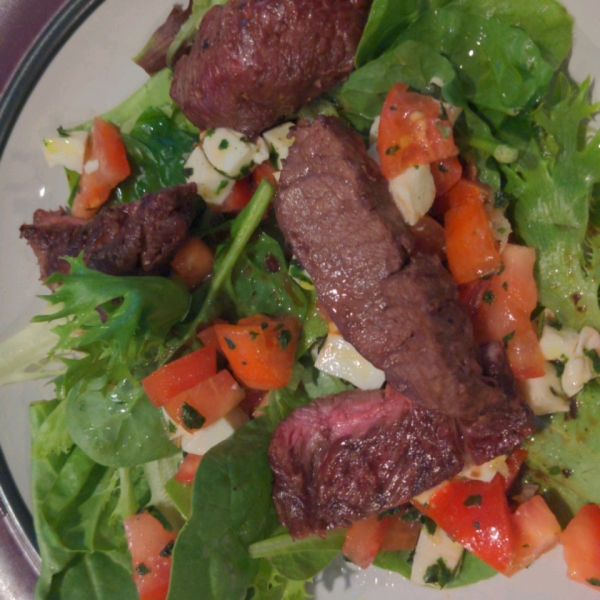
(578, 371)
(413, 192)
(66, 151)
(212, 186)
(374, 131)
(589, 339)
(279, 143)
(544, 394)
(487, 471)
(261, 151)
(339, 358)
(558, 344)
(501, 227)
(430, 550)
(229, 151)
(201, 441)
(373, 153)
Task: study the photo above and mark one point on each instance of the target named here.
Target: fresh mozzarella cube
(212, 186)
(374, 131)
(261, 151)
(279, 143)
(413, 192)
(544, 394)
(374, 153)
(229, 151)
(589, 339)
(431, 550)
(578, 371)
(558, 344)
(66, 151)
(201, 441)
(339, 358)
(487, 471)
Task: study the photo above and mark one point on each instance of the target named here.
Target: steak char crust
(141, 237)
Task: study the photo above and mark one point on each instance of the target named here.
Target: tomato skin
(412, 131)
(187, 469)
(146, 539)
(514, 461)
(500, 310)
(193, 262)
(180, 375)
(446, 174)
(399, 534)
(106, 147)
(238, 198)
(581, 545)
(536, 532)
(483, 525)
(363, 540)
(264, 171)
(260, 350)
(471, 248)
(213, 398)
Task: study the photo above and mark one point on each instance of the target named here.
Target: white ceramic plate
(92, 73)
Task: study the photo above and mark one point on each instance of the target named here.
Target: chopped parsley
(488, 297)
(63, 132)
(284, 339)
(438, 574)
(392, 150)
(142, 569)
(168, 549)
(474, 500)
(190, 417)
(507, 338)
(230, 344)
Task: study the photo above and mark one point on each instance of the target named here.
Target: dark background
(21, 21)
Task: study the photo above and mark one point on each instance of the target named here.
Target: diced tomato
(150, 545)
(446, 173)
(193, 261)
(536, 532)
(261, 350)
(400, 534)
(429, 237)
(206, 402)
(413, 131)
(238, 198)
(501, 307)
(187, 469)
(363, 540)
(180, 375)
(264, 171)
(581, 546)
(476, 514)
(514, 461)
(105, 148)
(471, 248)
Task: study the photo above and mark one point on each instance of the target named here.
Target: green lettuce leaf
(553, 184)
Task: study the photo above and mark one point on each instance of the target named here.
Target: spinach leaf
(564, 455)
(412, 62)
(554, 184)
(300, 559)
(547, 22)
(232, 508)
(260, 283)
(499, 66)
(157, 149)
(99, 574)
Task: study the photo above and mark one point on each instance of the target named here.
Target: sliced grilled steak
(502, 426)
(137, 238)
(400, 311)
(254, 61)
(350, 456)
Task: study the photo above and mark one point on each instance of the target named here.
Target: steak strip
(141, 237)
(254, 61)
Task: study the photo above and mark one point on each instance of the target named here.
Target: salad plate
(89, 74)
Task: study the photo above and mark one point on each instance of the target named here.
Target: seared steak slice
(500, 427)
(401, 311)
(254, 61)
(346, 457)
(137, 238)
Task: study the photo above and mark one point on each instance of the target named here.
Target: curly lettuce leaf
(554, 185)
